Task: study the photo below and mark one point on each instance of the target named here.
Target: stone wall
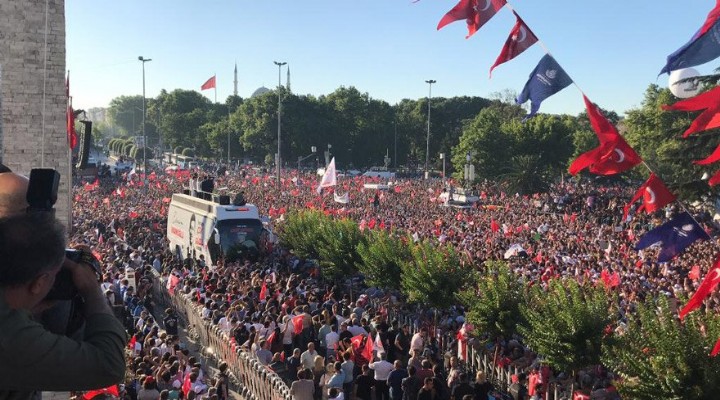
(29, 69)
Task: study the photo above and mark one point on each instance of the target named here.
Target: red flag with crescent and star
(706, 287)
(655, 196)
(475, 12)
(520, 39)
(709, 102)
(297, 322)
(613, 156)
(209, 84)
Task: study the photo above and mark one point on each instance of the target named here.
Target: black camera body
(41, 196)
(64, 288)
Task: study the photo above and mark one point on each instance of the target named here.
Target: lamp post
(313, 149)
(277, 161)
(442, 157)
(143, 61)
(327, 155)
(427, 145)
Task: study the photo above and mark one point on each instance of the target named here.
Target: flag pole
(545, 48)
(215, 75)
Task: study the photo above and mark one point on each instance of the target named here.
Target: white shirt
(289, 330)
(357, 330)
(382, 369)
(417, 342)
(307, 359)
(331, 340)
(224, 325)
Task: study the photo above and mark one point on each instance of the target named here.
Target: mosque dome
(260, 91)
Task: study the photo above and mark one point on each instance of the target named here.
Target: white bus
(203, 227)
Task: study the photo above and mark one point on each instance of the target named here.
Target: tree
(381, 258)
(183, 113)
(660, 357)
(494, 300)
(566, 323)
(337, 248)
(302, 231)
(433, 274)
(125, 112)
(657, 136)
(526, 154)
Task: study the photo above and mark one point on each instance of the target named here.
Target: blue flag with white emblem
(704, 46)
(546, 79)
(697, 51)
(674, 236)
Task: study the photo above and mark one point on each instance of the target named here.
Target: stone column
(32, 89)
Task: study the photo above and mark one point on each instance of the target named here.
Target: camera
(64, 289)
(41, 196)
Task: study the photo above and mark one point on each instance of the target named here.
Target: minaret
(288, 79)
(235, 82)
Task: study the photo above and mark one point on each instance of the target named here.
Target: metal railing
(256, 381)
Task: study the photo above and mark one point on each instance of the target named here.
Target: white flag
(344, 199)
(378, 346)
(330, 176)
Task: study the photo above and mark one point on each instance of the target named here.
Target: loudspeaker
(222, 199)
(85, 140)
(42, 189)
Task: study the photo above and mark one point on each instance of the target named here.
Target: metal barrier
(257, 381)
(477, 360)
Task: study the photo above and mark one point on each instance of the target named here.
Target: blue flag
(699, 50)
(674, 236)
(546, 79)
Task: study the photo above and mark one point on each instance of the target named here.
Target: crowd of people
(307, 331)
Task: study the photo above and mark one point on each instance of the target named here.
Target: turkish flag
(110, 390)
(613, 156)
(368, 351)
(356, 342)
(475, 12)
(494, 226)
(716, 349)
(297, 322)
(263, 291)
(709, 118)
(520, 39)
(708, 285)
(655, 196)
(71, 133)
(209, 84)
(271, 338)
(694, 273)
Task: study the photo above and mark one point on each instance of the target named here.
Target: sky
(388, 48)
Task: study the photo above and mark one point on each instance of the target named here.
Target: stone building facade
(32, 89)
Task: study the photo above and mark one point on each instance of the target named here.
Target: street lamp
(427, 146)
(442, 157)
(143, 61)
(313, 149)
(277, 161)
(327, 155)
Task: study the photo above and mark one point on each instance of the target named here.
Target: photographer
(32, 252)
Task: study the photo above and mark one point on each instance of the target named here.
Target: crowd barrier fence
(256, 381)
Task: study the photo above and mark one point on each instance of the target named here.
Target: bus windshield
(240, 238)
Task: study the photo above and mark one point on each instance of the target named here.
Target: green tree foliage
(125, 112)
(566, 323)
(494, 301)
(301, 232)
(381, 258)
(657, 136)
(337, 248)
(182, 114)
(525, 154)
(433, 274)
(658, 357)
